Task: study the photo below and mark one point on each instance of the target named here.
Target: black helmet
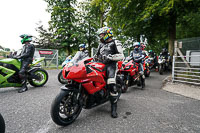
(164, 50)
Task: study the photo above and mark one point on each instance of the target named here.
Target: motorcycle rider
(152, 54)
(68, 59)
(81, 54)
(143, 46)
(138, 56)
(109, 52)
(26, 57)
(166, 56)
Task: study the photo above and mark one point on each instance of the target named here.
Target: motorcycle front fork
(127, 78)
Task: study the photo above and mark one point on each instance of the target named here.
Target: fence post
(57, 59)
(173, 68)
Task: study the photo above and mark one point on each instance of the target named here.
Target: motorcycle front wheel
(147, 72)
(2, 124)
(160, 69)
(61, 79)
(125, 86)
(64, 109)
(142, 82)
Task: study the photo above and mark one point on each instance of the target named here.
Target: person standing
(109, 52)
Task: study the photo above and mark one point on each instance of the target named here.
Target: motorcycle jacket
(80, 55)
(110, 52)
(27, 52)
(137, 56)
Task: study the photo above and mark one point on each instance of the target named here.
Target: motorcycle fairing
(96, 83)
(10, 85)
(37, 61)
(14, 62)
(92, 80)
(5, 73)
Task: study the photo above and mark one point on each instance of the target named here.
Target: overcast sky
(20, 17)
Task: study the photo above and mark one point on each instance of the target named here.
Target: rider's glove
(95, 58)
(15, 57)
(110, 57)
(107, 57)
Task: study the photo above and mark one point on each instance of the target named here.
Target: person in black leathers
(152, 54)
(2, 124)
(26, 57)
(81, 54)
(166, 55)
(109, 52)
(137, 56)
(142, 47)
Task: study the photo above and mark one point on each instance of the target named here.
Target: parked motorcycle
(9, 73)
(146, 67)
(2, 124)
(87, 89)
(163, 65)
(130, 71)
(152, 64)
(61, 79)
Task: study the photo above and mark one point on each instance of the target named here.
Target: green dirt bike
(9, 69)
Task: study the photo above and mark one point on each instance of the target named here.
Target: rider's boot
(24, 87)
(114, 110)
(114, 96)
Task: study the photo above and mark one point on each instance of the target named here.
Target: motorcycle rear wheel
(43, 78)
(63, 110)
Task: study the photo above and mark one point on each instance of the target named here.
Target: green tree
(45, 39)
(170, 11)
(155, 19)
(88, 24)
(63, 23)
(101, 9)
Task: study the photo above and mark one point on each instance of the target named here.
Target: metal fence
(186, 61)
(189, 44)
(187, 70)
(51, 57)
